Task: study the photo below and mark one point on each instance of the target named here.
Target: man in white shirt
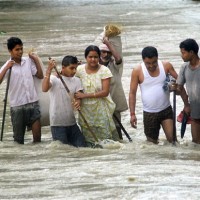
(24, 104)
(150, 75)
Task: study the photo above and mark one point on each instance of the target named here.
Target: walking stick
(81, 114)
(5, 103)
(174, 116)
(121, 126)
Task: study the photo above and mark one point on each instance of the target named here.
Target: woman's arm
(99, 94)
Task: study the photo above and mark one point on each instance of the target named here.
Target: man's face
(17, 52)
(151, 63)
(70, 70)
(186, 55)
(106, 55)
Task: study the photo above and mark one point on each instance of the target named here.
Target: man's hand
(105, 40)
(33, 56)
(51, 64)
(10, 64)
(133, 121)
(172, 87)
(77, 104)
(187, 109)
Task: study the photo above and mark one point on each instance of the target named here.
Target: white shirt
(61, 110)
(22, 89)
(154, 98)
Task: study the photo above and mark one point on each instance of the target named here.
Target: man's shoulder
(185, 64)
(167, 66)
(25, 58)
(54, 78)
(165, 63)
(137, 69)
(26, 61)
(76, 79)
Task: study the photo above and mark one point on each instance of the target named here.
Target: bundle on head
(112, 30)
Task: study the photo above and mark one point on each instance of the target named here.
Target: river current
(137, 170)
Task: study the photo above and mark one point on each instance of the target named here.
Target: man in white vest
(151, 75)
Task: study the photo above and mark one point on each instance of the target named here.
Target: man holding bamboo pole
(62, 119)
(25, 110)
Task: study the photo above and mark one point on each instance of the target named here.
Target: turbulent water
(137, 170)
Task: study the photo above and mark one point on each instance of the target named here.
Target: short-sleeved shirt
(92, 82)
(191, 78)
(61, 110)
(22, 89)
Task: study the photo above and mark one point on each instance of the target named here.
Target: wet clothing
(156, 101)
(117, 94)
(68, 135)
(62, 119)
(61, 111)
(22, 117)
(191, 77)
(22, 89)
(97, 111)
(154, 98)
(23, 97)
(116, 88)
(152, 122)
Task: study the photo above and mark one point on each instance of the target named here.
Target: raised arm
(35, 58)
(46, 84)
(169, 69)
(116, 55)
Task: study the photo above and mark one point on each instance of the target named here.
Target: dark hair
(67, 60)
(189, 45)
(149, 52)
(92, 48)
(12, 42)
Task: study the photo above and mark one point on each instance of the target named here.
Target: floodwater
(137, 170)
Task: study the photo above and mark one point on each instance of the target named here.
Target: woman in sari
(96, 105)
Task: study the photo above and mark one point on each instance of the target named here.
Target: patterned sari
(97, 111)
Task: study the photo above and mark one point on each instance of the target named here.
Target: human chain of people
(95, 90)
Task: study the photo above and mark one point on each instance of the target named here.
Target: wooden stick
(174, 117)
(5, 103)
(121, 126)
